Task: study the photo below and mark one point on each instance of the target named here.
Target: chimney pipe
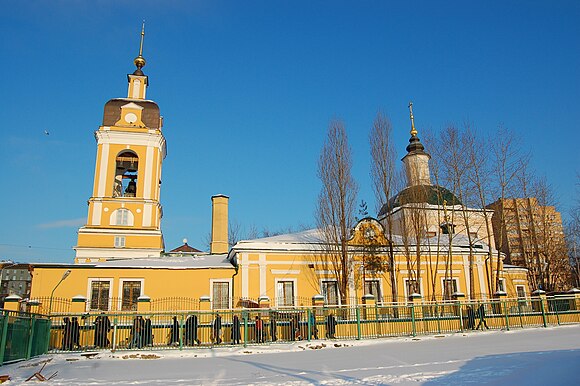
(219, 224)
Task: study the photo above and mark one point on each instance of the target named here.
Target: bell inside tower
(127, 166)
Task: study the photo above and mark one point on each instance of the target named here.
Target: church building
(121, 258)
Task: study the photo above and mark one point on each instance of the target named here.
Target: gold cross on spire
(413, 130)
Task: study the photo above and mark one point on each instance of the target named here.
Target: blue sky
(247, 90)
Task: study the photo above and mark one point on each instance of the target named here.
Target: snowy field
(532, 357)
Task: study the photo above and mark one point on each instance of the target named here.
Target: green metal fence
(23, 336)
(165, 330)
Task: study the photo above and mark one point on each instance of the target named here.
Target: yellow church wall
(156, 283)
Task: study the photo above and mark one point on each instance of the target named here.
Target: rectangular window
(100, 295)
(501, 285)
(221, 295)
(373, 287)
(521, 291)
(131, 292)
(285, 293)
(330, 292)
(119, 241)
(449, 288)
(412, 286)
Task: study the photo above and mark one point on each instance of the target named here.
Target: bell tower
(124, 216)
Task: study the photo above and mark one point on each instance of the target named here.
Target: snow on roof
(181, 262)
(305, 240)
(313, 239)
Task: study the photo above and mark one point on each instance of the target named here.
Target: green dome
(429, 194)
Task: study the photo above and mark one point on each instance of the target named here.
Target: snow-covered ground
(532, 357)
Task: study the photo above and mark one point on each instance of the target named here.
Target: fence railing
(169, 329)
(23, 335)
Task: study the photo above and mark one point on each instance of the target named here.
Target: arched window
(122, 217)
(127, 166)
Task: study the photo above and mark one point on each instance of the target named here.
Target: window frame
(523, 288)
(122, 282)
(443, 287)
(379, 298)
(90, 293)
(117, 243)
(122, 217)
(211, 291)
(406, 280)
(294, 291)
(322, 292)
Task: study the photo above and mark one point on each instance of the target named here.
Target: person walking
(481, 312)
(191, 331)
(137, 332)
(273, 327)
(313, 327)
(236, 330)
(330, 326)
(174, 333)
(217, 329)
(67, 334)
(75, 332)
(470, 318)
(259, 329)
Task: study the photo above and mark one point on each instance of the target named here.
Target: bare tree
(336, 205)
(385, 183)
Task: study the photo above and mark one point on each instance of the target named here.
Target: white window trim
(503, 285)
(380, 288)
(226, 280)
(405, 280)
(295, 281)
(130, 217)
(320, 286)
(91, 280)
(523, 287)
(455, 279)
(120, 237)
(120, 290)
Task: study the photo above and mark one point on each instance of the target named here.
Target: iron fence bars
(209, 328)
(23, 335)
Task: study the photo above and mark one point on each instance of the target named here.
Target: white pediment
(132, 105)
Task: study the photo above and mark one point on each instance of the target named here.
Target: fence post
(245, 316)
(543, 312)
(4, 336)
(507, 319)
(414, 332)
(556, 306)
(309, 315)
(181, 332)
(358, 331)
(115, 334)
(31, 337)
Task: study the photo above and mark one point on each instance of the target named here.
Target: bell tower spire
(417, 160)
(138, 81)
(124, 216)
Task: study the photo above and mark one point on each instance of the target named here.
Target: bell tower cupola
(417, 160)
(124, 214)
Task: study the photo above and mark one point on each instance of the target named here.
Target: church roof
(428, 194)
(185, 248)
(150, 114)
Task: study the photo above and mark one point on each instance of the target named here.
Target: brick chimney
(219, 224)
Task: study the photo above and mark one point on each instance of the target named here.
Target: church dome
(429, 194)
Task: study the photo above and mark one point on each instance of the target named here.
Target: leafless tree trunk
(384, 175)
(506, 164)
(336, 204)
